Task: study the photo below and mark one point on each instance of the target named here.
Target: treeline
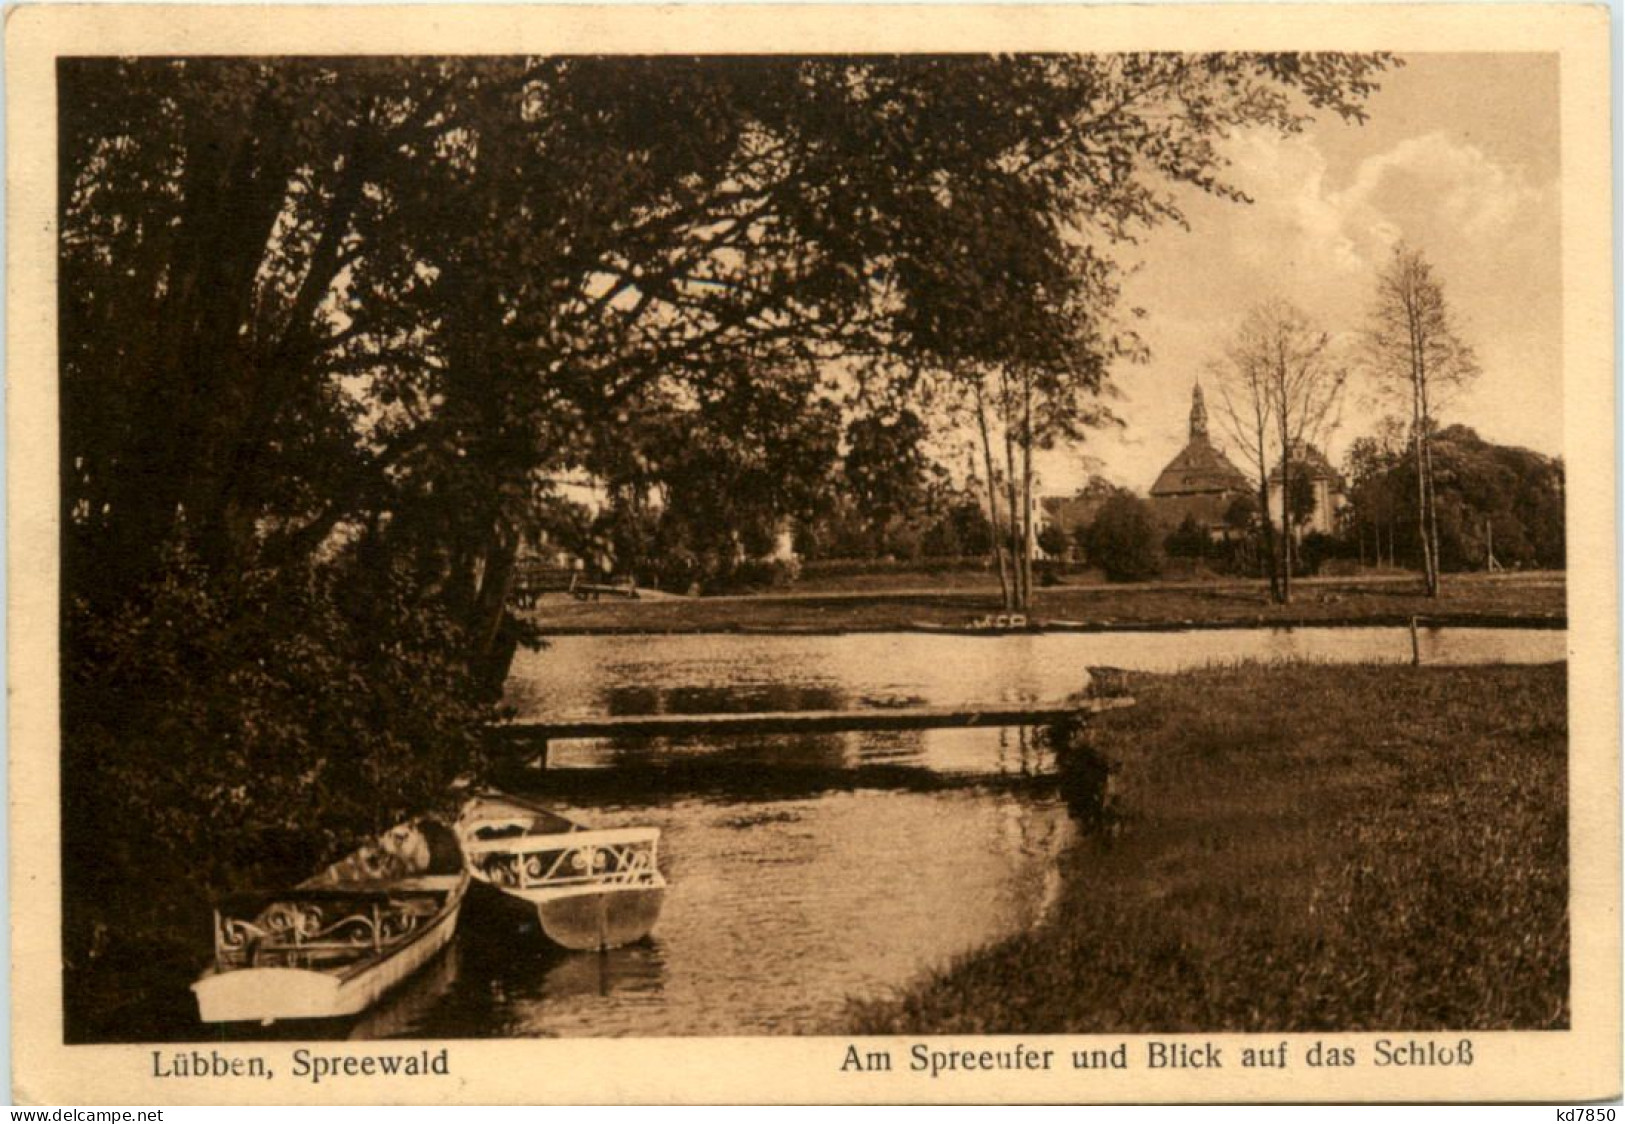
(1495, 503)
(1499, 507)
(868, 491)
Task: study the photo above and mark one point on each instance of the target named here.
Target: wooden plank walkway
(800, 721)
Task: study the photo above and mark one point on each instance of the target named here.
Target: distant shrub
(221, 734)
(1054, 541)
(1189, 540)
(858, 567)
(1317, 549)
(1124, 540)
(755, 574)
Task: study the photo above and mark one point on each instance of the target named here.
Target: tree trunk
(1268, 523)
(1012, 496)
(1433, 517)
(1287, 552)
(992, 499)
(1432, 496)
(1265, 520)
(1430, 579)
(494, 647)
(1027, 493)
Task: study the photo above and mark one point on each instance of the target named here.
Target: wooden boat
(333, 945)
(589, 889)
(999, 624)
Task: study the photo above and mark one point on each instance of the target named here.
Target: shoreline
(1234, 624)
(1523, 601)
(1255, 868)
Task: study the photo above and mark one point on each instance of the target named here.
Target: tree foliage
(1125, 540)
(1490, 498)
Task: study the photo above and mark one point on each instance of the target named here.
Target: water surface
(808, 869)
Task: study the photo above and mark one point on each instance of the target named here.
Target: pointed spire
(1198, 412)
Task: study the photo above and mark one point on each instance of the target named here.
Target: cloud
(1434, 190)
(1295, 219)
(1450, 181)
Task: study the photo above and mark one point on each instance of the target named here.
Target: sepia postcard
(782, 553)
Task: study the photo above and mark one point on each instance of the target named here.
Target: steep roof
(1199, 468)
(1208, 509)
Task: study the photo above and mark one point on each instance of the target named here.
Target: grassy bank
(1298, 849)
(1466, 599)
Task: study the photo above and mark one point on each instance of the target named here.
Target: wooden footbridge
(533, 738)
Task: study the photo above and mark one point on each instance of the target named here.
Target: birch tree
(1280, 386)
(1413, 349)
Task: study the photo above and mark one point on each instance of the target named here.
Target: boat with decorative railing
(331, 946)
(589, 889)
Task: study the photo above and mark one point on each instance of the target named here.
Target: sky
(1460, 159)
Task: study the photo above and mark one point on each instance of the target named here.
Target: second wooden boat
(589, 889)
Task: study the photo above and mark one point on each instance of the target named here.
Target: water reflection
(743, 698)
(737, 762)
(578, 675)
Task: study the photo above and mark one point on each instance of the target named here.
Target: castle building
(1325, 485)
(1200, 483)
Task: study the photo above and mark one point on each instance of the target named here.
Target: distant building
(1324, 482)
(1070, 514)
(1200, 483)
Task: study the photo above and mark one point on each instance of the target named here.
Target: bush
(226, 734)
(1189, 540)
(1317, 549)
(860, 567)
(755, 574)
(1053, 541)
(1124, 540)
(675, 569)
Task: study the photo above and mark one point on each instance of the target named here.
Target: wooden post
(1416, 647)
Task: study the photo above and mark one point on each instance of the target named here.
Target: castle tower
(1200, 483)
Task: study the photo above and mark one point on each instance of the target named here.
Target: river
(809, 869)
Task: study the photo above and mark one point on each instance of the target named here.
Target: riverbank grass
(1466, 599)
(1298, 848)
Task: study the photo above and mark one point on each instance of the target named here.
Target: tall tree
(1412, 347)
(1280, 386)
